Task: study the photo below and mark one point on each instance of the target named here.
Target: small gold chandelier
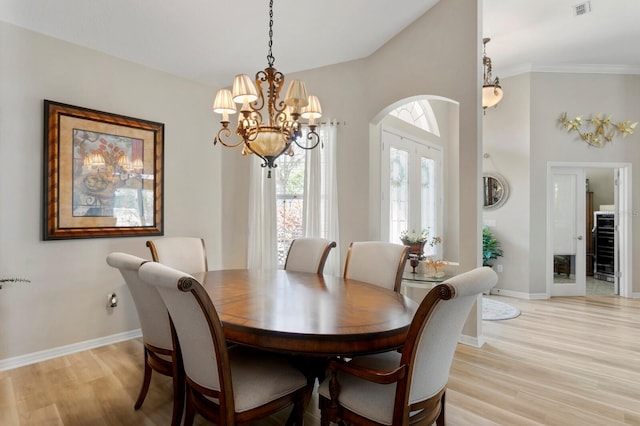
(491, 90)
(268, 140)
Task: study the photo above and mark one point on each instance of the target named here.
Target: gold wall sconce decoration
(603, 129)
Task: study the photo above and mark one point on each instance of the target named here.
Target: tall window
(290, 200)
(411, 176)
(306, 196)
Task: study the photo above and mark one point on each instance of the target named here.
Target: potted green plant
(490, 247)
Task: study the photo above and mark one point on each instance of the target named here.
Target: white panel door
(566, 201)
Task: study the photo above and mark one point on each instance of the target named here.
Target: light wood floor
(564, 361)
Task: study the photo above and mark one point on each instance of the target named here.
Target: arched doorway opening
(414, 182)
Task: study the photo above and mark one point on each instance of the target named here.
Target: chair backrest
(153, 315)
(197, 326)
(435, 330)
(308, 254)
(376, 262)
(184, 253)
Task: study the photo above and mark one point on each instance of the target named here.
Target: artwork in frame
(103, 174)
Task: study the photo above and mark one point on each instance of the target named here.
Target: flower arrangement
(422, 237)
(416, 242)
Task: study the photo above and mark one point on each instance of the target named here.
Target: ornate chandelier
(267, 136)
(491, 90)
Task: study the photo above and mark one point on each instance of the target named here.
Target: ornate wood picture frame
(103, 174)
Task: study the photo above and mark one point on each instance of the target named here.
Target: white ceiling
(212, 40)
(546, 34)
(200, 40)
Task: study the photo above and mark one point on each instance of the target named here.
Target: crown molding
(570, 69)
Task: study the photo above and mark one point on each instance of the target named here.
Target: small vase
(415, 248)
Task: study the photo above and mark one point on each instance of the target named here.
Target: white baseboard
(518, 294)
(535, 296)
(476, 342)
(32, 358)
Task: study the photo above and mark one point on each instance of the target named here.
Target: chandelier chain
(270, 58)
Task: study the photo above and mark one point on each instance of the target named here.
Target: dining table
(306, 313)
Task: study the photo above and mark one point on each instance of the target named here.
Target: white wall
(578, 94)
(66, 300)
(601, 183)
(506, 139)
(550, 95)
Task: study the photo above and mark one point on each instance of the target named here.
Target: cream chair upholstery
(226, 385)
(376, 262)
(184, 253)
(156, 330)
(308, 254)
(409, 387)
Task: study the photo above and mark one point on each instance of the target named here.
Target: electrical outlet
(112, 300)
(499, 268)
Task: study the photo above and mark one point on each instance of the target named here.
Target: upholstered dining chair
(226, 385)
(404, 388)
(308, 254)
(156, 330)
(184, 253)
(376, 262)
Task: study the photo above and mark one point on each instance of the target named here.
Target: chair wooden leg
(324, 419)
(297, 414)
(145, 381)
(189, 411)
(440, 419)
(178, 389)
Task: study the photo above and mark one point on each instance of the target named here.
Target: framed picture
(103, 174)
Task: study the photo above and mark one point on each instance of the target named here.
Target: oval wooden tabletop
(306, 313)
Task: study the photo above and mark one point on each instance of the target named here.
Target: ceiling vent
(582, 8)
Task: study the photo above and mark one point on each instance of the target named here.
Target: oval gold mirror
(496, 190)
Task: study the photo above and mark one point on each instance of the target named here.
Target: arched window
(420, 114)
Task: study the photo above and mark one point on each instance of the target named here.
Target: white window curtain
(262, 244)
(321, 194)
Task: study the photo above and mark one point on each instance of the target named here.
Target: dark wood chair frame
(425, 412)
(171, 368)
(153, 362)
(223, 412)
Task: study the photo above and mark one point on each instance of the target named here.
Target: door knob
(580, 237)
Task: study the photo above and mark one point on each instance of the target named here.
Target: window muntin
(418, 113)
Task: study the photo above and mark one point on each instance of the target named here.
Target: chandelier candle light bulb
(271, 138)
